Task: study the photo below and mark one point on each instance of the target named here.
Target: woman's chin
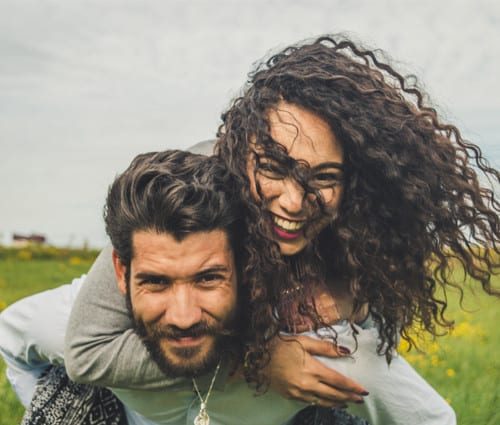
(292, 247)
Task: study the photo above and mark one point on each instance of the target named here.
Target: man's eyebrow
(156, 276)
(213, 269)
(149, 275)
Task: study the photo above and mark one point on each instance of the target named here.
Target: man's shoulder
(204, 148)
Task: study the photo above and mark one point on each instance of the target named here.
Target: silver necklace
(202, 417)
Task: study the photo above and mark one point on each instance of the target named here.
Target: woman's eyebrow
(323, 165)
(330, 164)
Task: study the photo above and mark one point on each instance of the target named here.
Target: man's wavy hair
(173, 192)
(412, 208)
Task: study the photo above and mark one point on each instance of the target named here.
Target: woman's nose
(292, 196)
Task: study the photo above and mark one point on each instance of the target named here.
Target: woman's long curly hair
(412, 207)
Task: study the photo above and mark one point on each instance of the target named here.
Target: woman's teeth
(289, 226)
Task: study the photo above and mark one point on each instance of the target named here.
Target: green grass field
(18, 279)
(464, 367)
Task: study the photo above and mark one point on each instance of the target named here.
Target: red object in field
(33, 238)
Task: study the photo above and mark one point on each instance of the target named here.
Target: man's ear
(120, 271)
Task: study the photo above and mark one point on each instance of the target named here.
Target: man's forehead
(164, 253)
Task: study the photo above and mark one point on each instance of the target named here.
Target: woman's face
(295, 215)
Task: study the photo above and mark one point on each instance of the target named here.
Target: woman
(404, 195)
(358, 198)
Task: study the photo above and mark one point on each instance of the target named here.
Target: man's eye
(210, 278)
(154, 281)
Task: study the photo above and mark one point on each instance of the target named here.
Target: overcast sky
(86, 85)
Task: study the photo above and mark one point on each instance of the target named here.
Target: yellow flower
(403, 346)
(434, 360)
(25, 255)
(450, 373)
(433, 348)
(75, 261)
(467, 330)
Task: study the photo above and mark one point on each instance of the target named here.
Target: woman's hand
(296, 374)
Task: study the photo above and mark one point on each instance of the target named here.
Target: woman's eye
(325, 180)
(271, 171)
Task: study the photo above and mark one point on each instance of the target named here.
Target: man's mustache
(197, 330)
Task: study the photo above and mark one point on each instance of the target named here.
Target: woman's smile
(287, 229)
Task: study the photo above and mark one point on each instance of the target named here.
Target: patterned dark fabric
(60, 401)
(322, 416)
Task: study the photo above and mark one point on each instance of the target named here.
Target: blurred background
(86, 85)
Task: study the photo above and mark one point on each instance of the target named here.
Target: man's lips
(187, 341)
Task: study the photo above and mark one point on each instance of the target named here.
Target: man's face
(183, 297)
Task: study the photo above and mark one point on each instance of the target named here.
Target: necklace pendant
(202, 418)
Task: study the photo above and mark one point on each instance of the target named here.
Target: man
(173, 252)
(173, 221)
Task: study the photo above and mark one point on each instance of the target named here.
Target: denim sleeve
(32, 336)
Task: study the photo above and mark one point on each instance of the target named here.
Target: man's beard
(184, 366)
(178, 361)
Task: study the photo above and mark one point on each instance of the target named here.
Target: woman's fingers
(319, 347)
(339, 390)
(336, 380)
(330, 377)
(315, 400)
(327, 396)
(296, 374)
(324, 395)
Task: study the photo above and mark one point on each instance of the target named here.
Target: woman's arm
(102, 348)
(295, 372)
(101, 345)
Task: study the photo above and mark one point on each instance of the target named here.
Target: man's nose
(183, 310)
(292, 197)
